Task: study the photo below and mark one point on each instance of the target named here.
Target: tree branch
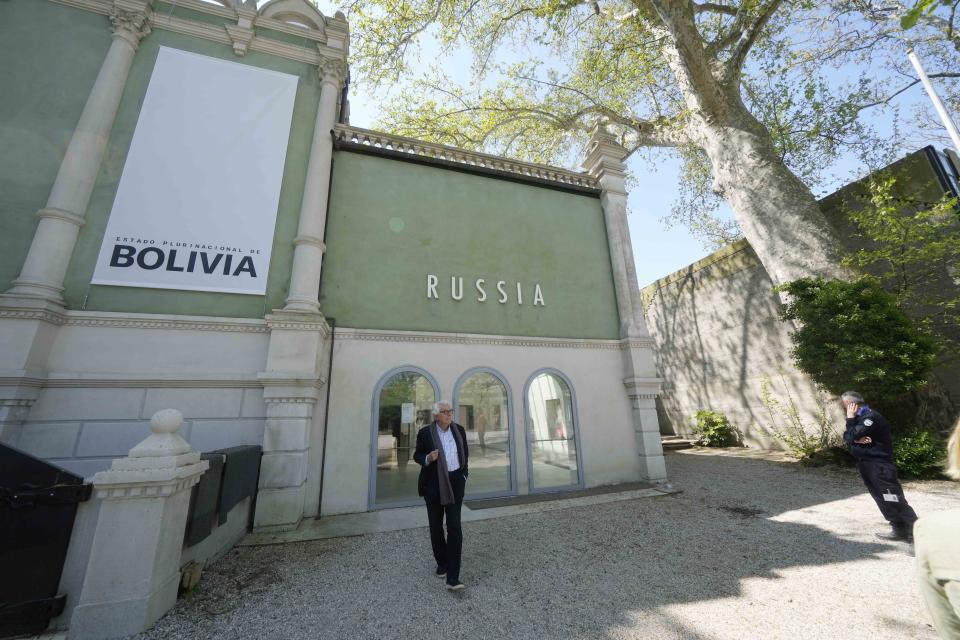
(712, 7)
(749, 36)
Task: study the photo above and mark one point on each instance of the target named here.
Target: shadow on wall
(719, 340)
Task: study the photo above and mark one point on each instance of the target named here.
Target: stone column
(605, 163)
(134, 568)
(60, 220)
(308, 245)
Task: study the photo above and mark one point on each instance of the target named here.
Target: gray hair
(435, 408)
(852, 396)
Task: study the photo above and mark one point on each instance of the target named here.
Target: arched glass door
(551, 433)
(402, 407)
(483, 409)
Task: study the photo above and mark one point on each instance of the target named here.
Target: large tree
(661, 73)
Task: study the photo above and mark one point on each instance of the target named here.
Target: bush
(919, 454)
(803, 441)
(713, 429)
(853, 336)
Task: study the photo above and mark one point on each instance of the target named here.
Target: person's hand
(863, 440)
(852, 409)
(433, 455)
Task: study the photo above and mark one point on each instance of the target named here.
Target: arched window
(482, 402)
(401, 406)
(552, 459)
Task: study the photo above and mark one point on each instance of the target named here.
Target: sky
(658, 249)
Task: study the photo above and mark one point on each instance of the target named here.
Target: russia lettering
(456, 290)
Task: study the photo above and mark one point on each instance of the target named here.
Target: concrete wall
(718, 338)
(718, 335)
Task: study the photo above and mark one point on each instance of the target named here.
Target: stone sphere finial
(166, 421)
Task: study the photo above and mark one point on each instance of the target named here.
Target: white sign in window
(197, 202)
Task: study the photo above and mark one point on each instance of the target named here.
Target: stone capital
(332, 71)
(130, 23)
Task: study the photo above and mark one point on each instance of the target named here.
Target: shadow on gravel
(605, 570)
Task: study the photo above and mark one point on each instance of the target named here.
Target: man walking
(868, 436)
(442, 453)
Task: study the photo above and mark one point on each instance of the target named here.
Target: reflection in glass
(482, 411)
(553, 448)
(404, 407)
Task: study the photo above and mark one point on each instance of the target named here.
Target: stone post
(60, 220)
(605, 163)
(134, 568)
(308, 245)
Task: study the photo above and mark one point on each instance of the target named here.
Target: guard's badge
(868, 422)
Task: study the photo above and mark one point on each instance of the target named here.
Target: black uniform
(875, 463)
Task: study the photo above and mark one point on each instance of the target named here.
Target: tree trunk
(778, 214)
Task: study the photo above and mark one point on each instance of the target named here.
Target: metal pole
(935, 99)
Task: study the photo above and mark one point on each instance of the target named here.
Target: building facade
(190, 223)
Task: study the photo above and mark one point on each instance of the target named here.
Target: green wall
(392, 222)
(44, 81)
(37, 116)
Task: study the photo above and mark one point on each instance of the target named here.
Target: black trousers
(881, 478)
(447, 549)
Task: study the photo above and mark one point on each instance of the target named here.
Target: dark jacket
(869, 423)
(428, 484)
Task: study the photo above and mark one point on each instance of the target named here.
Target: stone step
(672, 443)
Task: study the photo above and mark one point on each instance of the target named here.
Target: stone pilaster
(43, 271)
(292, 385)
(134, 567)
(308, 245)
(605, 163)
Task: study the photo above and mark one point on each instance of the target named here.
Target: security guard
(868, 436)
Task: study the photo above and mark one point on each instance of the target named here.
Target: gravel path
(750, 549)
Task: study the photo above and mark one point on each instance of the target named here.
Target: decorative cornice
(411, 146)
(377, 335)
(43, 315)
(297, 321)
(24, 403)
(149, 321)
(135, 489)
(638, 343)
(219, 33)
(289, 400)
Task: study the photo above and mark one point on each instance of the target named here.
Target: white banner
(197, 202)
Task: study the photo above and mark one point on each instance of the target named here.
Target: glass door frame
(511, 429)
(527, 432)
(372, 504)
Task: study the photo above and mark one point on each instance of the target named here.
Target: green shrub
(713, 429)
(804, 441)
(853, 336)
(919, 454)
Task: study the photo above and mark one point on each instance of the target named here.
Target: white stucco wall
(608, 446)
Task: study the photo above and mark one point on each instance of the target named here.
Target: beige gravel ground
(752, 548)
